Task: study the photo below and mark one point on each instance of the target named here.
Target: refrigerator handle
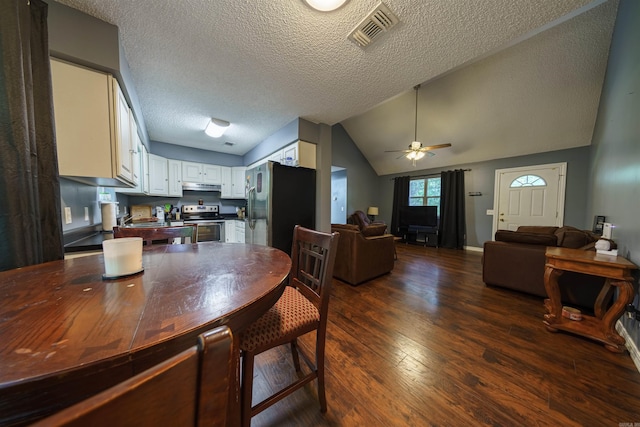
(250, 202)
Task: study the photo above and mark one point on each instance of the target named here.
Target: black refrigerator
(278, 198)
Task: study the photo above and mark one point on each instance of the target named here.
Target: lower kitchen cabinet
(230, 231)
(234, 231)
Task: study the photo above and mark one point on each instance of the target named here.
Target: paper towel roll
(108, 215)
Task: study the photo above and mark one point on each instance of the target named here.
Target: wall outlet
(86, 213)
(67, 215)
(489, 211)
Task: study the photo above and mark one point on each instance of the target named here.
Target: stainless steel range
(207, 217)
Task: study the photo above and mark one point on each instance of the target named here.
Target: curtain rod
(431, 174)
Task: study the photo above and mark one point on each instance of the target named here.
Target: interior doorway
(530, 195)
(338, 195)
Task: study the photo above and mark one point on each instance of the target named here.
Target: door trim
(561, 190)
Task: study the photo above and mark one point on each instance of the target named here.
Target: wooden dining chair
(189, 389)
(301, 309)
(151, 235)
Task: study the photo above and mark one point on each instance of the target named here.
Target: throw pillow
(374, 230)
(528, 238)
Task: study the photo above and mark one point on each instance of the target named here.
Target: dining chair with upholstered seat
(301, 309)
(189, 389)
(151, 235)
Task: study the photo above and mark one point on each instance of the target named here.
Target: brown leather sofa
(362, 256)
(516, 260)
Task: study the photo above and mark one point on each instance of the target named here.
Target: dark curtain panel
(30, 217)
(400, 199)
(452, 228)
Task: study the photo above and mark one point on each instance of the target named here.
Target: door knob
(501, 219)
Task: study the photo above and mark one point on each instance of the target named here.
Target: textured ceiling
(261, 64)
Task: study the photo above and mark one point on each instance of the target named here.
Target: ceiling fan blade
(401, 156)
(433, 147)
(398, 151)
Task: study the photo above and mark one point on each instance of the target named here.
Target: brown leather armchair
(362, 257)
(361, 219)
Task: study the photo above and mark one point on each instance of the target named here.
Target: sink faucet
(125, 219)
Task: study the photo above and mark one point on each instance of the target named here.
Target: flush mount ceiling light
(216, 127)
(325, 5)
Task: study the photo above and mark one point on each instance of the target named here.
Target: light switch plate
(67, 215)
(489, 211)
(86, 213)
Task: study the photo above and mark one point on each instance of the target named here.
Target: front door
(531, 195)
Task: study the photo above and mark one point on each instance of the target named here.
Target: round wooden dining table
(67, 333)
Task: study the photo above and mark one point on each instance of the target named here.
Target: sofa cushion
(351, 227)
(528, 238)
(571, 237)
(538, 229)
(374, 230)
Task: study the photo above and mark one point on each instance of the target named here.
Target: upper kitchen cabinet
(139, 167)
(300, 153)
(158, 176)
(233, 179)
(175, 177)
(201, 173)
(238, 182)
(93, 127)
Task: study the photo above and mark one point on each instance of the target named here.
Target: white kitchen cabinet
(238, 179)
(139, 169)
(234, 231)
(175, 177)
(230, 231)
(301, 153)
(212, 174)
(240, 226)
(227, 185)
(136, 152)
(92, 121)
(192, 172)
(145, 170)
(201, 173)
(124, 145)
(158, 176)
(233, 182)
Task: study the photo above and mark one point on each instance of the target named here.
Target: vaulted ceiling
(499, 78)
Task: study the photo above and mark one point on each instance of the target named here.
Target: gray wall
(615, 169)
(481, 179)
(362, 180)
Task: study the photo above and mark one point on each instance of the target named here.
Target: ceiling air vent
(380, 19)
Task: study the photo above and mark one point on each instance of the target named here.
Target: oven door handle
(250, 205)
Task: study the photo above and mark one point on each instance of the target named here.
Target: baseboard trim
(473, 248)
(631, 346)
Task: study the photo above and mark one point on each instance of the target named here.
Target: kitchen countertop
(90, 239)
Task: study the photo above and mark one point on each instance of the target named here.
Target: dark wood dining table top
(61, 317)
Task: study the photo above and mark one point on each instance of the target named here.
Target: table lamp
(372, 212)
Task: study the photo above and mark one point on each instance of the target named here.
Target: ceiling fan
(416, 151)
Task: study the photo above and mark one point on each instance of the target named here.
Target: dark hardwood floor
(430, 344)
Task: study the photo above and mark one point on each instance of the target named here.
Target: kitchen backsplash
(77, 197)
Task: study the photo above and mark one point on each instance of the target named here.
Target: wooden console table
(617, 273)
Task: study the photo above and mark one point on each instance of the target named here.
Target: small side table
(396, 239)
(617, 273)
